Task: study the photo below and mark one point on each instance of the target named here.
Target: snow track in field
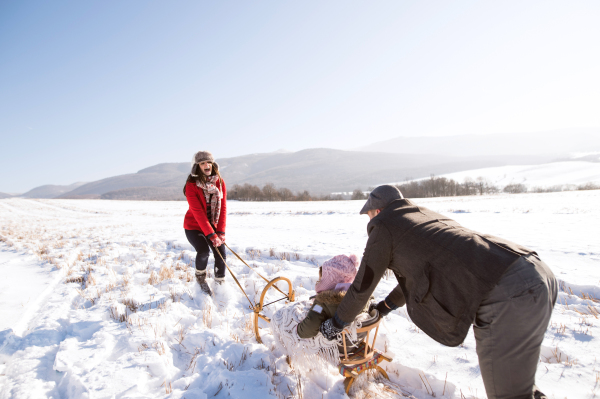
(111, 307)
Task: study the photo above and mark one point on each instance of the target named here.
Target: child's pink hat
(339, 269)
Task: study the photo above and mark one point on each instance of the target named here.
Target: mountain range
(323, 170)
(50, 190)
(558, 143)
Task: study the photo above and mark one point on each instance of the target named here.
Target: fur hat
(201, 156)
(339, 269)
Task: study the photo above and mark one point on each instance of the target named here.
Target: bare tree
(269, 191)
(304, 196)
(286, 194)
(515, 188)
(358, 194)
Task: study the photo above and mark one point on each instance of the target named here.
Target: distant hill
(4, 195)
(323, 170)
(146, 194)
(555, 174)
(50, 191)
(556, 144)
(162, 175)
(319, 170)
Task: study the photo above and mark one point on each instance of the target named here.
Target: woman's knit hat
(201, 156)
(339, 269)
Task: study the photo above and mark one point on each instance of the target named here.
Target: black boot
(537, 394)
(201, 278)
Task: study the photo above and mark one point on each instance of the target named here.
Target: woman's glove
(216, 240)
(330, 329)
(222, 237)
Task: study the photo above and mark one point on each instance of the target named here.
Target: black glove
(382, 308)
(330, 329)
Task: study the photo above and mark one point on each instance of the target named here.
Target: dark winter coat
(196, 217)
(443, 269)
(323, 308)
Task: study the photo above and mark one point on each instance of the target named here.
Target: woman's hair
(200, 176)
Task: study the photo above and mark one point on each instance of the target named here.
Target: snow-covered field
(572, 173)
(98, 300)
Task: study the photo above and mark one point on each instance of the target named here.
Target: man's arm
(396, 299)
(375, 261)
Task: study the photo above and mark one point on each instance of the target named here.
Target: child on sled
(335, 277)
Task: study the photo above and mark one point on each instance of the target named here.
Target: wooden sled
(257, 308)
(289, 297)
(364, 357)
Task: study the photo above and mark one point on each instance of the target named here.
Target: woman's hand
(222, 237)
(216, 240)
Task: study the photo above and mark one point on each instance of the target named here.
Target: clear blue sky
(91, 89)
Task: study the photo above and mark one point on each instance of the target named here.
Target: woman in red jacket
(204, 222)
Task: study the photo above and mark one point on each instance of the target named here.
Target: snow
(17, 305)
(98, 299)
(544, 175)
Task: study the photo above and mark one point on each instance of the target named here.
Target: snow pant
(202, 245)
(510, 325)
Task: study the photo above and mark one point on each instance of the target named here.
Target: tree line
(443, 187)
(250, 192)
(426, 188)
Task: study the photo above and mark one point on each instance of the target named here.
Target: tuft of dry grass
(284, 256)
(116, 315)
(75, 279)
(192, 365)
(175, 296)
(253, 253)
(427, 385)
(153, 279)
(166, 273)
(207, 314)
(130, 304)
(126, 279)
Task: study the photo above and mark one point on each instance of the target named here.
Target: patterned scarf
(213, 196)
(310, 351)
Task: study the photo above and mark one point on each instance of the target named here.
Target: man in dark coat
(450, 277)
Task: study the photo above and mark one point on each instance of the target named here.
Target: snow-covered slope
(126, 318)
(559, 143)
(544, 175)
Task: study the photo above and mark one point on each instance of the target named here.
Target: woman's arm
(223, 215)
(198, 208)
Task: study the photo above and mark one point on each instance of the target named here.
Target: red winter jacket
(195, 218)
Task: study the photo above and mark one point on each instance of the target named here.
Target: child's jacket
(323, 308)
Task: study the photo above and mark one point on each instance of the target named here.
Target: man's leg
(509, 328)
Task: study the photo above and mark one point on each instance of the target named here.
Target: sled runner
(258, 307)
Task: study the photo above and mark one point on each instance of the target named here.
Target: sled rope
(251, 268)
(252, 305)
